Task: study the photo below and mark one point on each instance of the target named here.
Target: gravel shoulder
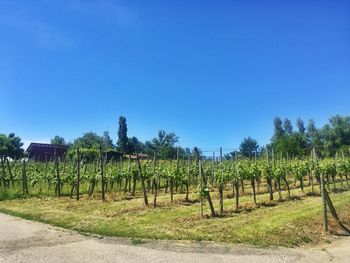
(27, 241)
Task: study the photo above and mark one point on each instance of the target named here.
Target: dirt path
(27, 241)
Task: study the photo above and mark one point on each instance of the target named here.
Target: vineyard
(169, 199)
(150, 178)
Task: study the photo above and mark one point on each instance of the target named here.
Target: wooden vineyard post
(58, 186)
(155, 181)
(177, 169)
(221, 186)
(188, 177)
(346, 175)
(102, 176)
(273, 180)
(285, 177)
(204, 180)
(269, 179)
(78, 173)
(324, 195)
(3, 171)
(127, 188)
(24, 178)
(10, 172)
(142, 180)
(278, 180)
(324, 204)
(201, 186)
(311, 173)
(45, 172)
(333, 212)
(252, 181)
(64, 162)
(212, 171)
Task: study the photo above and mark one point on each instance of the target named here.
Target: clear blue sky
(213, 72)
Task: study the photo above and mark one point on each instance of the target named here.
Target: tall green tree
(314, 138)
(291, 144)
(163, 145)
(58, 140)
(287, 126)
(311, 129)
(336, 134)
(341, 129)
(279, 131)
(285, 141)
(88, 140)
(107, 141)
(89, 145)
(134, 145)
(301, 126)
(3, 145)
(249, 147)
(11, 146)
(123, 136)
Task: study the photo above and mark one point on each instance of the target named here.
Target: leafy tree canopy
(123, 140)
(301, 126)
(249, 147)
(134, 145)
(287, 126)
(11, 146)
(290, 144)
(107, 141)
(279, 131)
(89, 140)
(58, 140)
(336, 134)
(163, 145)
(327, 141)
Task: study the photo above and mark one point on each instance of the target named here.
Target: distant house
(133, 156)
(45, 151)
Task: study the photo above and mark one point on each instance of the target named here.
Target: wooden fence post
(24, 178)
(3, 171)
(78, 173)
(201, 186)
(142, 180)
(204, 179)
(334, 213)
(155, 180)
(10, 172)
(58, 186)
(221, 186)
(324, 204)
(269, 178)
(102, 176)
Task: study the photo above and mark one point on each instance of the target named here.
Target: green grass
(288, 223)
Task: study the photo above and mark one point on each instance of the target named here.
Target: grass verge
(290, 223)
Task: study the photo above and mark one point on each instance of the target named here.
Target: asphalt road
(27, 241)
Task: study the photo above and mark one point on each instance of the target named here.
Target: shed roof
(35, 146)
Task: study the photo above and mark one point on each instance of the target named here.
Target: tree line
(298, 141)
(163, 144)
(332, 138)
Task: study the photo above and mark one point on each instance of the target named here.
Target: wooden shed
(114, 155)
(45, 151)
